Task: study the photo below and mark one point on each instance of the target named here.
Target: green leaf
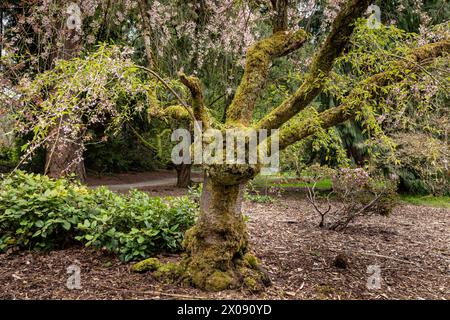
(66, 225)
(39, 223)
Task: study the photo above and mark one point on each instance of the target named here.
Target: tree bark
(65, 162)
(183, 175)
(64, 156)
(217, 246)
(146, 28)
(280, 19)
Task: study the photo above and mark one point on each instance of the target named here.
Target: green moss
(216, 247)
(251, 284)
(255, 279)
(168, 271)
(209, 266)
(219, 281)
(251, 261)
(150, 264)
(259, 57)
(177, 112)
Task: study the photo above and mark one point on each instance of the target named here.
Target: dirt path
(138, 180)
(141, 185)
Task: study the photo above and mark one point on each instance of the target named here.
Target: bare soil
(411, 249)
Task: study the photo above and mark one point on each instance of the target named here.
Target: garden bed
(411, 248)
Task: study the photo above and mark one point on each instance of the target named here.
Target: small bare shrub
(355, 194)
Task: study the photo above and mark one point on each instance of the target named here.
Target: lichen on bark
(259, 58)
(217, 255)
(364, 91)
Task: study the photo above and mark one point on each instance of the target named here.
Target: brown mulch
(411, 248)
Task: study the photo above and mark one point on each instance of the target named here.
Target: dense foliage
(40, 213)
(210, 39)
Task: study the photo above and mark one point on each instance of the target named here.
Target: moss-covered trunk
(217, 247)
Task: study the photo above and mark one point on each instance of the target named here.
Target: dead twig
(159, 293)
(387, 257)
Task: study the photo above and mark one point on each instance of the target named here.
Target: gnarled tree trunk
(217, 248)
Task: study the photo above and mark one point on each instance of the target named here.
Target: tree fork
(323, 60)
(258, 60)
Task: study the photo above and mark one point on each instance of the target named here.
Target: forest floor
(411, 249)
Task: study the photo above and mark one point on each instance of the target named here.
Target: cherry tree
(217, 250)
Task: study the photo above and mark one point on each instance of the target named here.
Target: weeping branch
(176, 95)
(258, 60)
(366, 90)
(142, 140)
(339, 37)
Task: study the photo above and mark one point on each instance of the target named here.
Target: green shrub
(40, 213)
(137, 225)
(422, 166)
(359, 188)
(258, 198)
(36, 212)
(9, 158)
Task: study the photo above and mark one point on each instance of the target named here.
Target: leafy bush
(422, 164)
(423, 167)
(8, 158)
(258, 198)
(137, 225)
(41, 213)
(363, 189)
(36, 212)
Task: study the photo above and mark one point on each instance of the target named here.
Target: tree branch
(198, 104)
(176, 95)
(280, 19)
(171, 113)
(367, 89)
(322, 64)
(259, 58)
